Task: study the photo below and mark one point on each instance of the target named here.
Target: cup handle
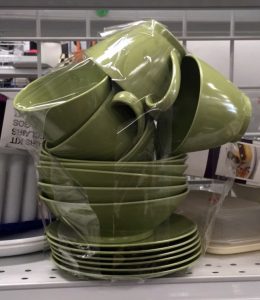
(136, 105)
(154, 106)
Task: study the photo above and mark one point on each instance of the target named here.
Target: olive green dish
(115, 222)
(108, 194)
(94, 178)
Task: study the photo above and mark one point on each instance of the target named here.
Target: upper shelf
(133, 4)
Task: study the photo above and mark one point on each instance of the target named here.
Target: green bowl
(92, 178)
(62, 101)
(108, 194)
(152, 169)
(47, 156)
(180, 160)
(115, 223)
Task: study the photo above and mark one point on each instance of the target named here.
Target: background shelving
(231, 34)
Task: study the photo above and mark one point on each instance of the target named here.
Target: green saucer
(173, 229)
(124, 275)
(135, 257)
(124, 251)
(140, 264)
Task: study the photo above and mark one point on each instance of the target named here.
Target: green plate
(131, 269)
(88, 251)
(125, 252)
(140, 264)
(125, 258)
(111, 276)
(165, 270)
(175, 228)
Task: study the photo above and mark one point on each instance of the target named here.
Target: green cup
(138, 58)
(95, 178)
(209, 111)
(62, 101)
(108, 194)
(115, 223)
(110, 132)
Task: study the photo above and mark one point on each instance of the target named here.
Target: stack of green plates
(175, 245)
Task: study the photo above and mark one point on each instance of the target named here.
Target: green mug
(108, 134)
(208, 112)
(62, 101)
(155, 105)
(138, 59)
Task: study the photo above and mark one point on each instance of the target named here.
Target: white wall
(216, 53)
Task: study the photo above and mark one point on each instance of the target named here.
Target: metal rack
(171, 18)
(213, 277)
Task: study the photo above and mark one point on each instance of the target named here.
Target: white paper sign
(16, 132)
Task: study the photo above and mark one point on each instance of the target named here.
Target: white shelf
(213, 277)
(11, 72)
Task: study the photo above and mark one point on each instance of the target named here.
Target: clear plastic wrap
(117, 127)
